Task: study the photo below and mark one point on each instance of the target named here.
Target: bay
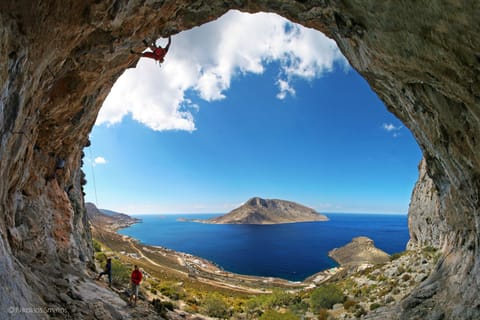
(291, 251)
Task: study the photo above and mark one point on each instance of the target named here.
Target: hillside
(111, 220)
(268, 211)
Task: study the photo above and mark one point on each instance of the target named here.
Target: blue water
(290, 251)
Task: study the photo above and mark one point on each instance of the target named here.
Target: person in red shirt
(157, 53)
(136, 278)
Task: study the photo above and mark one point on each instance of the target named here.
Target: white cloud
(390, 127)
(205, 59)
(99, 160)
(285, 89)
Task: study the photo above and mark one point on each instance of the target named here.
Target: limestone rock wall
(426, 220)
(58, 61)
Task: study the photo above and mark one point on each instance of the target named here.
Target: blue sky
(274, 112)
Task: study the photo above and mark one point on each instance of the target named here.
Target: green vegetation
(171, 290)
(215, 306)
(97, 246)
(429, 249)
(374, 306)
(397, 255)
(325, 297)
(162, 306)
(360, 293)
(120, 273)
(101, 258)
(279, 298)
(349, 304)
(275, 315)
(360, 311)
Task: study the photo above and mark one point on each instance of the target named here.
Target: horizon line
(212, 213)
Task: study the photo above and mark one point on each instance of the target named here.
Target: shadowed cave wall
(58, 61)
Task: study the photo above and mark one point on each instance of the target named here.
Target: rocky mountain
(268, 211)
(112, 220)
(360, 250)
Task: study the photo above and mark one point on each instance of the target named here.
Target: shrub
(254, 306)
(360, 311)
(215, 306)
(172, 292)
(325, 297)
(101, 258)
(349, 304)
(279, 298)
(120, 273)
(162, 306)
(299, 307)
(374, 306)
(397, 255)
(429, 249)
(406, 277)
(382, 278)
(97, 246)
(323, 314)
(275, 315)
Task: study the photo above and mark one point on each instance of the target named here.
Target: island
(361, 251)
(267, 211)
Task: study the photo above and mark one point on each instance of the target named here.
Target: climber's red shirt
(136, 276)
(158, 54)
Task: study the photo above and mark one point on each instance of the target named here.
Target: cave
(60, 60)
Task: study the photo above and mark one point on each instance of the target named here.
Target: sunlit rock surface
(360, 250)
(426, 220)
(58, 61)
(268, 211)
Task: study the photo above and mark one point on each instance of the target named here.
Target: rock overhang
(58, 63)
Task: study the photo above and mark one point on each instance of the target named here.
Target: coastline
(159, 260)
(189, 281)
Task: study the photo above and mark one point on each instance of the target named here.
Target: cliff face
(426, 220)
(268, 211)
(58, 61)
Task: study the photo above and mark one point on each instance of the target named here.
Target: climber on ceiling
(157, 53)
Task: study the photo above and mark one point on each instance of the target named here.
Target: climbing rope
(93, 176)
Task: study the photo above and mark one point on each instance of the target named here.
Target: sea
(291, 251)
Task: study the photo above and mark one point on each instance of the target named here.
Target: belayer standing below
(136, 278)
(157, 53)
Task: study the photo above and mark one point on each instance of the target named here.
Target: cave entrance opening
(249, 105)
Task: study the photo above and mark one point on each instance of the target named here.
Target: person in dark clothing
(107, 271)
(157, 53)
